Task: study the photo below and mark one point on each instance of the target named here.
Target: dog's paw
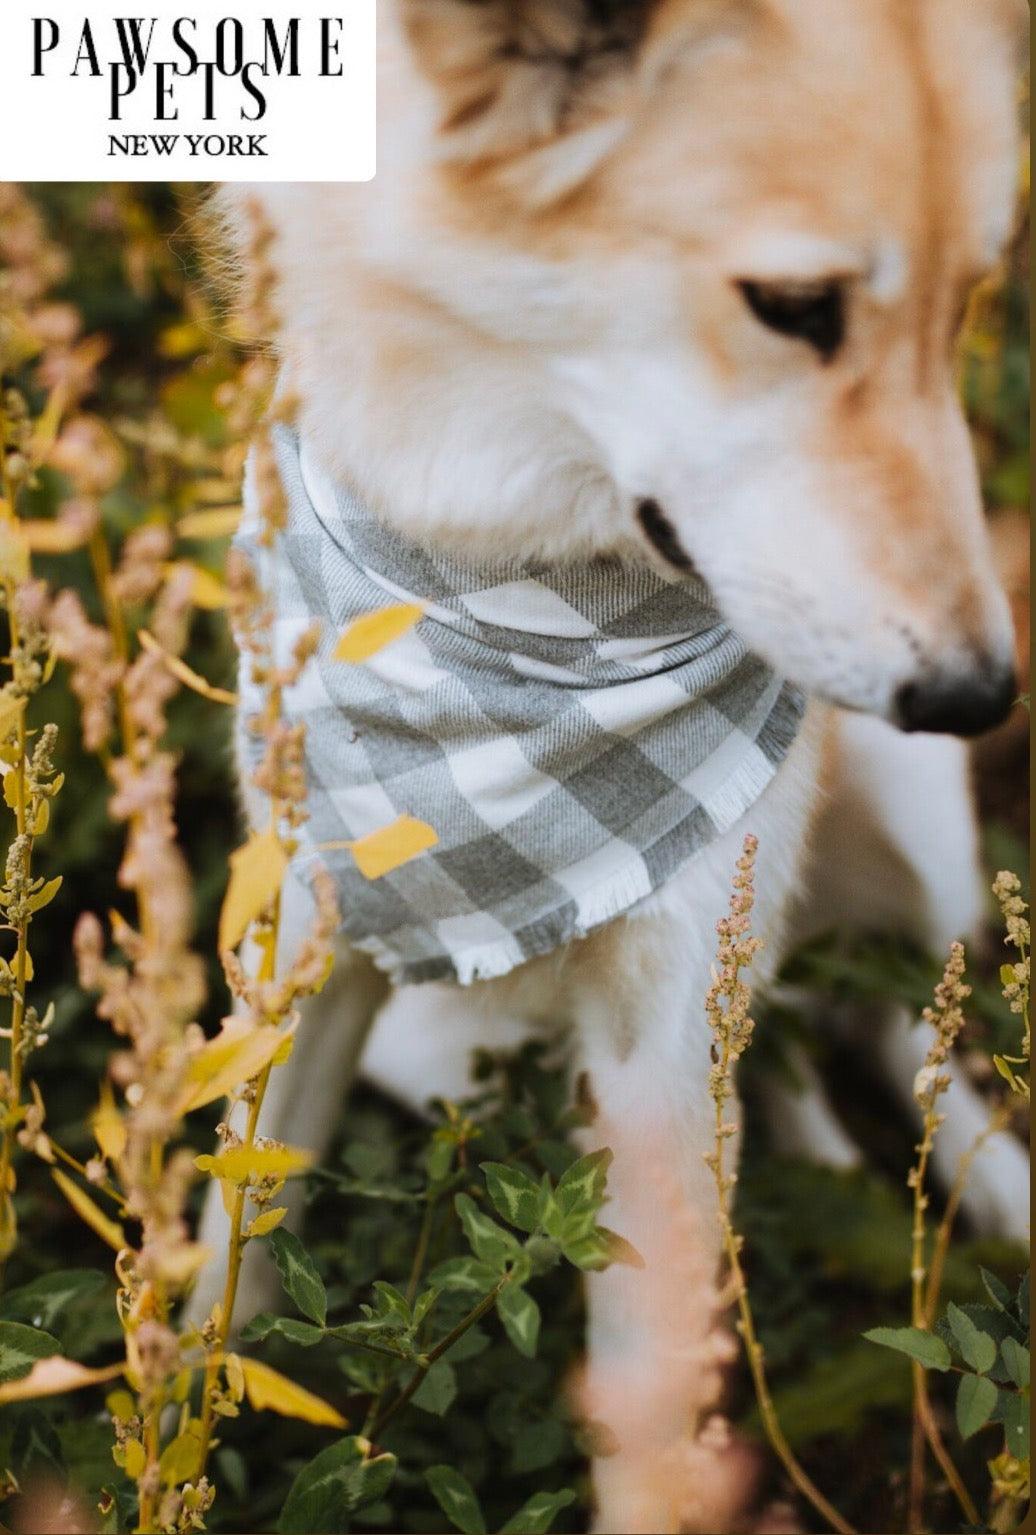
(694, 1485)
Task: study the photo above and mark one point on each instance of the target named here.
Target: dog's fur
(532, 321)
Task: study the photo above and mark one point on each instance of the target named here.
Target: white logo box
(216, 98)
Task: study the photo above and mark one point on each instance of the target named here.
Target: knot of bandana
(566, 737)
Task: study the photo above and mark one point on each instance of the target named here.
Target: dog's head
(720, 250)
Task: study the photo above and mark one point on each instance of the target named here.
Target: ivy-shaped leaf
(299, 1275)
(489, 1242)
(581, 1186)
(457, 1499)
(537, 1515)
(517, 1197)
(438, 1391)
(42, 1300)
(333, 1485)
(290, 1327)
(468, 1275)
(21, 1347)
(521, 1318)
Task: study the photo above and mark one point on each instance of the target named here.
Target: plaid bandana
(573, 734)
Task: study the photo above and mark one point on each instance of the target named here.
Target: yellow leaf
(108, 1230)
(10, 713)
(180, 1457)
(267, 1222)
(238, 1053)
(42, 820)
(107, 1126)
(45, 894)
(51, 1376)
(284, 1049)
(182, 339)
(14, 554)
(383, 850)
(208, 590)
(51, 535)
(11, 789)
(235, 1377)
(120, 1403)
(367, 635)
(256, 871)
(178, 1264)
(220, 522)
(134, 1459)
(240, 1162)
(267, 1388)
(215, 491)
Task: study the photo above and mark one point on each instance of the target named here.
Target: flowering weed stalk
(1014, 977)
(726, 1008)
(946, 1018)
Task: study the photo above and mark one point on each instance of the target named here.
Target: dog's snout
(959, 702)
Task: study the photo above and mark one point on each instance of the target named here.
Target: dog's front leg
(655, 1347)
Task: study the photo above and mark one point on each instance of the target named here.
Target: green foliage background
(816, 1284)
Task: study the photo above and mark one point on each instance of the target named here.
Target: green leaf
(521, 1318)
(582, 1185)
(299, 1275)
(489, 1241)
(537, 1515)
(599, 1247)
(290, 1327)
(517, 1197)
(977, 1348)
(1021, 1302)
(467, 1275)
(923, 1346)
(438, 1390)
(456, 1497)
(976, 1398)
(1015, 1413)
(537, 1444)
(42, 1301)
(997, 1291)
(392, 1302)
(20, 1347)
(337, 1482)
(1016, 1358)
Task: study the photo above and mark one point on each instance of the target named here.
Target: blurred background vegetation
(816, 1284)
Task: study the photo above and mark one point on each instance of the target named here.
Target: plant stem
(998, 1119)
(931, 1431)
(753, 1348)
(421, 1250)
(237, 1244)
(474, 1315)
(21, 961)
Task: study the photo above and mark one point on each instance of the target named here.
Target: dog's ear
(515, 74)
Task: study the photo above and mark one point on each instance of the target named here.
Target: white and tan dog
(680, 280)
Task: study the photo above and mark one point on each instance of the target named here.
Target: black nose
(958, 704)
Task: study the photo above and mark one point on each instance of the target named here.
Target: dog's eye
(813, 312)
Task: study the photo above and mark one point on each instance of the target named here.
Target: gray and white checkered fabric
(574, 734)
